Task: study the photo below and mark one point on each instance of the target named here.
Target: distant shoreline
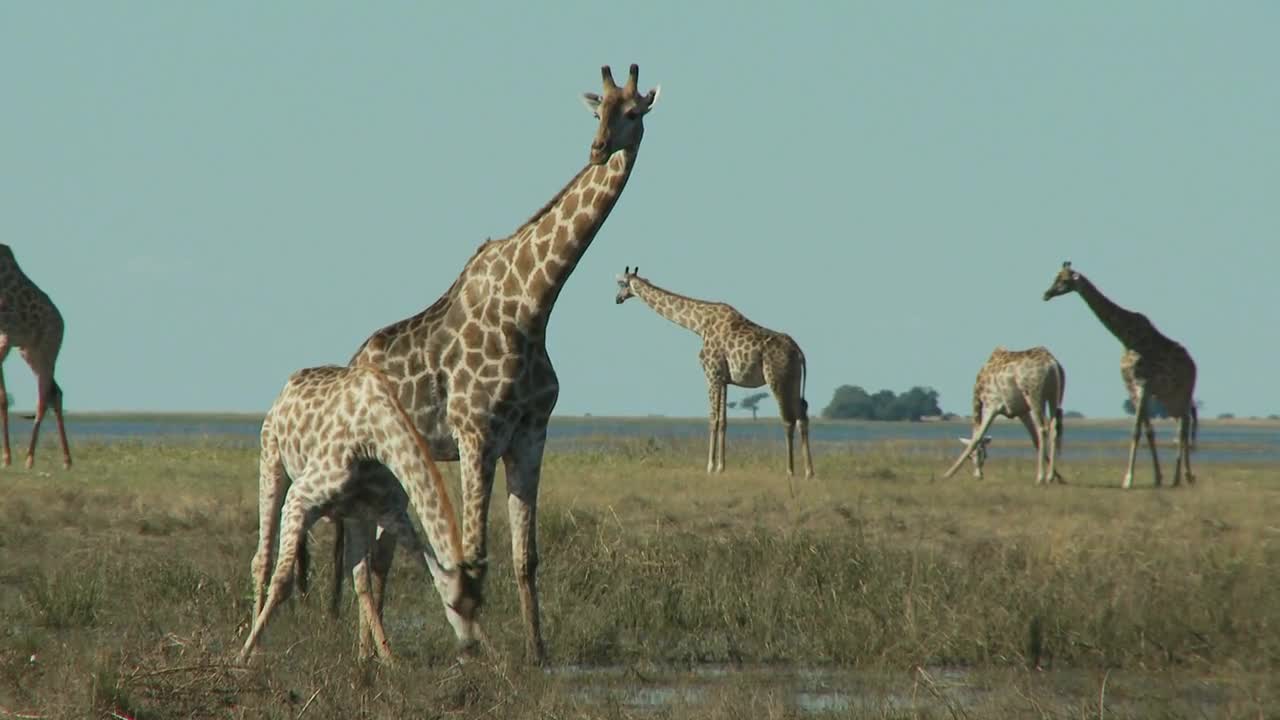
(119, 415)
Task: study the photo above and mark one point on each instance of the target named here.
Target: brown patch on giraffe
(524, 260)
(570, 205)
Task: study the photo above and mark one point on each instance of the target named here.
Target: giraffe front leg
(524, 471)
(724, 427)
(714, 391)
(1139, 398)
(373, 637)
(477, 470)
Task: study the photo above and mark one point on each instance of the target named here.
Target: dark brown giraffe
(1152, 366)
(473, 371)
(31, 322)
(735, 351)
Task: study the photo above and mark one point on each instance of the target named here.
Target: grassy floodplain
(877, 590)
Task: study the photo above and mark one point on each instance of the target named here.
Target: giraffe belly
(747, 377)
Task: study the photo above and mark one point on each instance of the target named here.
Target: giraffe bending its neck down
(1152, 365)
(1023, 384)
(735, 351)
(473, 371)
(30, 321)
(327, 424)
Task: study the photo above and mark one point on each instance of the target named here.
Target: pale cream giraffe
(473, 371)
(326, 425)
(735, 351)
(31, 322)
(1023, 384)
(1152, 366)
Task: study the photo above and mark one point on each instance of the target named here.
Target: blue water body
(1217, 442)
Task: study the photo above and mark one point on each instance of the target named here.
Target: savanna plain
(876, 590)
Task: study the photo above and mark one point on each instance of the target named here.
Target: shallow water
(1082, 441)
(960, 692)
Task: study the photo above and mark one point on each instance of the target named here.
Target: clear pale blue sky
(217, 194)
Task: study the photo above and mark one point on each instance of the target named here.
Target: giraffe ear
(651, 98)
(592, 101)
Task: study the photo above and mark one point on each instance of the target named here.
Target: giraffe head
(621, 112)
(624, 284)
(1067, 280)
(979, 455)
(6, 255)
(460, 589)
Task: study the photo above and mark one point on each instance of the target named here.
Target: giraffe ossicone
(735, 351)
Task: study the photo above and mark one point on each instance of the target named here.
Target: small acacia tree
(751, 402)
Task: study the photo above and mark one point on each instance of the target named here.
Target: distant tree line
(852, 402)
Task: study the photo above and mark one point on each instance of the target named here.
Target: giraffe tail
(1057, 410)
(804, 376)
(1195, 426)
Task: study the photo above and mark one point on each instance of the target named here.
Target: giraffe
(325, 426)
(30, 321)
(473, 371)
(1018, 384)
(735, 351)
(1152, 365)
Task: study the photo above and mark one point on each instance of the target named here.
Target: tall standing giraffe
(473, 370)
(1023, 384)
(735, 351)
(31, 322)
(1152, 365)
(326, 423)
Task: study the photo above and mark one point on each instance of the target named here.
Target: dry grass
(124, 589)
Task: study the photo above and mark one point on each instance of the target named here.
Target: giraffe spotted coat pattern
(1023, 384)
(30, 322)
(1152, 365)
(326, 424)
(735, 351)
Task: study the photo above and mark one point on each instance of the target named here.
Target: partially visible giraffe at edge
(31, 322)
(735, 351)
(473, 371)
(1023, 384)
(1152, 365)
(324, 426)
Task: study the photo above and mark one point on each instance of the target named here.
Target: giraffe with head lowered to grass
(1152, 366)
(326, 426)
(1023, 384)
(735, 351)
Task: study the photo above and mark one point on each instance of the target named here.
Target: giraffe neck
(544, 251)
(1129, 327)
(696, 315)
